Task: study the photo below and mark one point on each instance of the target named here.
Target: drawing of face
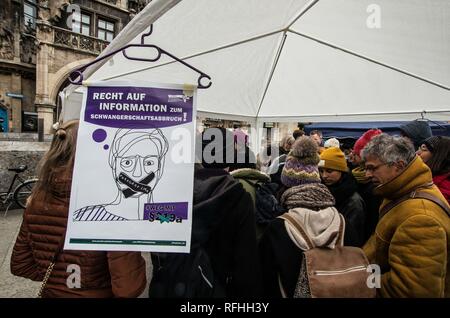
(137, 160)
(140, 167)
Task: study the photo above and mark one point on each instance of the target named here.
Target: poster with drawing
(134, 167)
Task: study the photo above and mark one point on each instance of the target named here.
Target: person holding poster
(39, 243)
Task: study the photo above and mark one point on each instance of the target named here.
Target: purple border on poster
(137, 107)
(179, 209)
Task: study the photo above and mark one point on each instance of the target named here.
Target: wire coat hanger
(76, 77)
(423, 118)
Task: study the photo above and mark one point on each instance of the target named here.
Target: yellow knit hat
(333, 158)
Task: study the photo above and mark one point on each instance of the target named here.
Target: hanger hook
(146, 34)
(202, 76)
(77, 74)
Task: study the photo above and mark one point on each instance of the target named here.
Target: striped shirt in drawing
(95, 213)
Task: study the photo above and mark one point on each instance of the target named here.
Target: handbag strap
(340, 240)
(49, 270)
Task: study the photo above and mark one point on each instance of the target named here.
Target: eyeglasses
(374, 168)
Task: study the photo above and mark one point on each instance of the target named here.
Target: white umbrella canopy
(290, 60)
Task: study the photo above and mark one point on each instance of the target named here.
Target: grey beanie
(417, 131)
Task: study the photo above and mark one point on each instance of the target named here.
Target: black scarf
(343, 189)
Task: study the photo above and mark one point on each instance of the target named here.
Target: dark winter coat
(232, 244)
(251, 179)
(350, 204)
(103, 274)
(372, 201)
(248, 178)
(279, 256)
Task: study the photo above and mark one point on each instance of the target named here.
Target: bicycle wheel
(23, 191)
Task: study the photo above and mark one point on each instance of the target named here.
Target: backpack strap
(305, 236)
(340, 240)
(432, 198)
(282, 291)
(389, 206)
(415, 194)
(299, 229)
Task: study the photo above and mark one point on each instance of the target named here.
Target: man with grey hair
(411, 243)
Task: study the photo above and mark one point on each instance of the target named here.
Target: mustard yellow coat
(411, 243)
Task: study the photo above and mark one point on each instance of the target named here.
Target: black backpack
(179, 275)
(267, 207)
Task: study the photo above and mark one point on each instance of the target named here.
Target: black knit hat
(417, 131)
(432, 143)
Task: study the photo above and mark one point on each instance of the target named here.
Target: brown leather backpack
(330, 273)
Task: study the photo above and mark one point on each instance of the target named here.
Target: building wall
(61, 47)
(17, 63)
(29, 92)
(61, 57)
(19, 83)
(106, 10)
(5, 83)
(39, 78)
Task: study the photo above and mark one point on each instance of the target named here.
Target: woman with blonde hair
(41, 237)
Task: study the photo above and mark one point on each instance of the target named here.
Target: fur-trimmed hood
(250, 174)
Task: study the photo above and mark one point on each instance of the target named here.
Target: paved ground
(12, 286)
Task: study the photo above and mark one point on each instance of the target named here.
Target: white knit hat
(332, 142)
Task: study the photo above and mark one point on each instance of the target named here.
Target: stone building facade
(41, 43)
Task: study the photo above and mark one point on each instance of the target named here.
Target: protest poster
(133, 174)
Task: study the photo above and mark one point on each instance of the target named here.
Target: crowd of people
(389, 196)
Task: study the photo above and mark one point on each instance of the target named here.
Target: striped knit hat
(301, 163)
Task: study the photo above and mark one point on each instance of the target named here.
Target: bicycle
(21, 192)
